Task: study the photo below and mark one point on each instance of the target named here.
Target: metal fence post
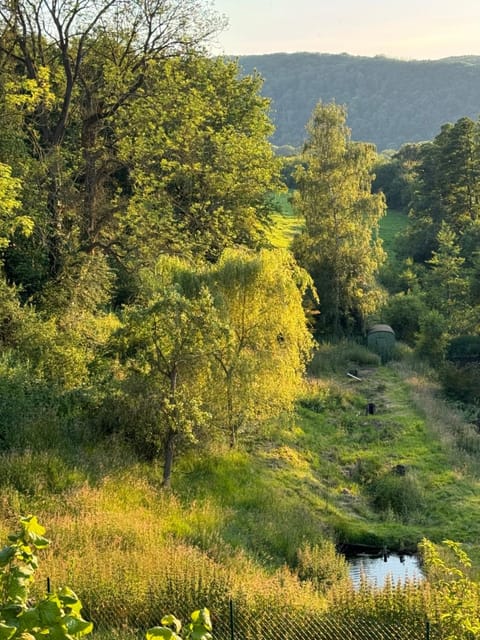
(232, 623)
(427, 630)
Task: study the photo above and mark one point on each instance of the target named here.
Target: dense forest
(389, 102)
(183, 400)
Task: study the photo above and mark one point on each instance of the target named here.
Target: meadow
(260, 524)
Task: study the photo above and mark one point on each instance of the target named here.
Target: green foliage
(464, 348)
(212, 352)
(322, 565)
(461, 382)
(432, 337)
(455, 594)
(57, 615)
(400, 495)
(10, 219)
(200, 628)
(404, 313)
(339, 245)
(202, 162)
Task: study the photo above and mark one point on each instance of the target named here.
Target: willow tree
(211, 353)
(262, 341)
(339, 245)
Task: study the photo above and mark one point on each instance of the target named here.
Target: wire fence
(232, 622)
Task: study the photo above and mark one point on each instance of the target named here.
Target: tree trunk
(168, 458)
(171, 432)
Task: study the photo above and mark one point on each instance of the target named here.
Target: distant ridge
(389, 101)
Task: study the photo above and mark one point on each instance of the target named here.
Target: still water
(375, 569)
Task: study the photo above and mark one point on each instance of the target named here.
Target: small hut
(381, 340)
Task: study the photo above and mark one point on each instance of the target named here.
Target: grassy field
(237, 521)
(285, 224)
(390, 226)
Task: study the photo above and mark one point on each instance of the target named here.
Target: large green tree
(262, 342)
(202, 164)
(211, 353)
(339, 245)
(82, 61)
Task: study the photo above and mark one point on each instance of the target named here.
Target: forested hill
(389, 101)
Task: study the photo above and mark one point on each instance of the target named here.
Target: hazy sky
(409, 29)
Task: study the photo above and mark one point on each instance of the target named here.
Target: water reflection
(376, 569)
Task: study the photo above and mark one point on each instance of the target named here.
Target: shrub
(461, 382)
(464, 348)
(322, 565)
(331, 358)
(403, 312)
(400, 495)
(57, 615)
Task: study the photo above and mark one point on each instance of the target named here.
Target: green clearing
(390, 226)
(285, 224)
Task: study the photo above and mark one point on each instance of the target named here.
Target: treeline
(433, 276)
(389, 102)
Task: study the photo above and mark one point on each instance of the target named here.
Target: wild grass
(391, 225)
(285, 224)
(258, 523)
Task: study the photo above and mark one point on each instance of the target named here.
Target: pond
(400, 567)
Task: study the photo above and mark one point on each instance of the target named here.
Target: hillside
(389, 101)
(237, 520)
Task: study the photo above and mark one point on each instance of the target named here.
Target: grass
(285, 224)
(239, 523)
(393, 223)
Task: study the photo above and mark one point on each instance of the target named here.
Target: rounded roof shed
(381, 328)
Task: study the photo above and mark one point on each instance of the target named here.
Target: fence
(237, 623)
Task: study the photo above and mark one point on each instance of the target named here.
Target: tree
(10, 218)
(92, 58)
(212, 351)
(165, 345)
(262, 341)
(446, 281)
(447, 190)
(201, 162)
(339, 246)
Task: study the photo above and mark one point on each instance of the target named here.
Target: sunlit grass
(285, 224)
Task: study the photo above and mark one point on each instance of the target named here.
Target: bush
(400, 495)
(334, 357)
(403, 312)
(322, 565)
(461, 382)
(464, 349)
(57, 615)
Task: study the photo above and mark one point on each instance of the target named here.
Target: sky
(406, 29)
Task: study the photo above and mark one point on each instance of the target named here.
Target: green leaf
(6, 554)
(29, 619)
(11, 611)
(77, 626)
(67, 596)
(160, 633)
(172, 621)
(6, 631)
(34, 532)
(50, 611)
(202, 616)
